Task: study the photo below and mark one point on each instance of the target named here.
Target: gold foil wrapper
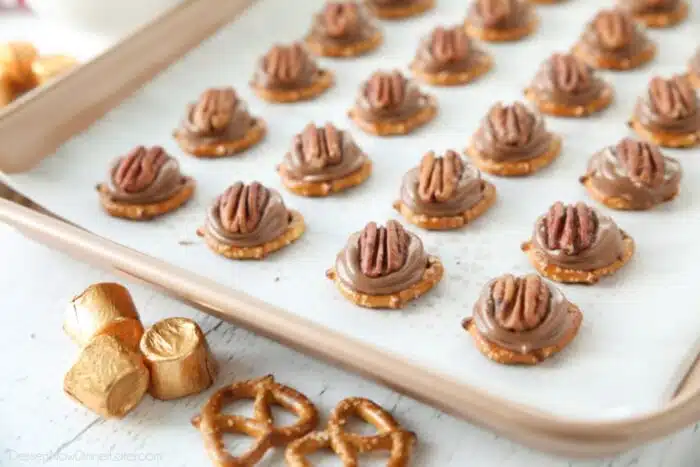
(103, 309)
(178, 357)
(109, 378)
(17, 58)
(48, 67)
(7, 90)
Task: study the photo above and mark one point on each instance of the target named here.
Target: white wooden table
(39, 424)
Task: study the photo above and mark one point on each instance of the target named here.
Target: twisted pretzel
(346, 445)
(265, 392)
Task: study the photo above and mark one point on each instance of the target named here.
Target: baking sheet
(639, 326)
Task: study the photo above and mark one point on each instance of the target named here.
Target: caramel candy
(48, 67)
(103, 309)
(109, 378)
(17, 58)
(178, 357)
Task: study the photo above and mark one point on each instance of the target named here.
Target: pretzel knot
(346, 445)
(265, 392)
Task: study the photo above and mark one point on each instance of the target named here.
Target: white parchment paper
(639, 326)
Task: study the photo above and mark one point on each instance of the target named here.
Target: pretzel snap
(346, 445)
(265, 392)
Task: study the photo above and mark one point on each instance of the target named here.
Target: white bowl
(114, 18)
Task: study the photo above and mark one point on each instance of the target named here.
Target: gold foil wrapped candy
(7, 90)
(17, 58)
(103, 309)
(109, 378)
(178, 357)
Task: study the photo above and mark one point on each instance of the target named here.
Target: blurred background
(80, 28)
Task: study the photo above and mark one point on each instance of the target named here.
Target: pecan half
(643, 161)
(383, 250)
(520, 303)
(495, 11)
(214, 110)
(673, 98)
(242, 206)
(570, 228)
(512, 124)
(386, 90)
(449, 45)
(569, 73)
(439, 176)
(320, 147)
(138, 169)
(286, 63)
(340, 18)
(615, 28)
